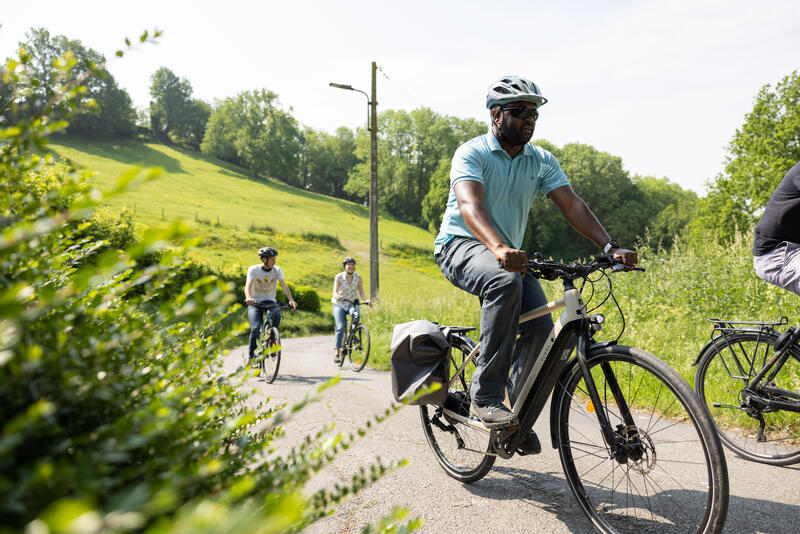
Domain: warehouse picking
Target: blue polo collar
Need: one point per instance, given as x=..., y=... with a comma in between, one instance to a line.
x=494, y=145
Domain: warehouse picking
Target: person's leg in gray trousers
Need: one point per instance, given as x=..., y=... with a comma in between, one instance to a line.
x=470, y=266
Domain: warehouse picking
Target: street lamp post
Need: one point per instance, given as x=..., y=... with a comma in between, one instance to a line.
x=372, y=126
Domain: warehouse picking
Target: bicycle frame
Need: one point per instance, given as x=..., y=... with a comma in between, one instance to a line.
x=570, y=331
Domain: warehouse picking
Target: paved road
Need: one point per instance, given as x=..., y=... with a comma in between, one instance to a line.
x=524, y=494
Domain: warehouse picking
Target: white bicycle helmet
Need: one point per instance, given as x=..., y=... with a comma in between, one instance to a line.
x=512, y=89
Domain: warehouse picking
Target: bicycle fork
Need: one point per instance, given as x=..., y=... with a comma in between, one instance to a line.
x=624, y=441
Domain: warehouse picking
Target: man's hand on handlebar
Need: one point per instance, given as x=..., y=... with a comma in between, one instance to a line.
x=629, y=257
x=512, y=260
x=250, y=302
x=292, y=304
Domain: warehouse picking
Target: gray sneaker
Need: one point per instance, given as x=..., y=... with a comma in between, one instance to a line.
x=494, y=415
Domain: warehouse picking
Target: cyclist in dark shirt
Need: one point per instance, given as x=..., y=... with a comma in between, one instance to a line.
x=776, y=248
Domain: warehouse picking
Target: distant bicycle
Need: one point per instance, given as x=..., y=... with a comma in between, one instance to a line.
x=267, y=356
x=748, y=375
x=355, y=345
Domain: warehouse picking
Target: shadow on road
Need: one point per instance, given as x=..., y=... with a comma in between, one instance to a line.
x=758, y=515
x=297, y=379
x=546, y=491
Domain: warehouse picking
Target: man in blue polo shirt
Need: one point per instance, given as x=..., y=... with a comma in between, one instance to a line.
x=494, y=179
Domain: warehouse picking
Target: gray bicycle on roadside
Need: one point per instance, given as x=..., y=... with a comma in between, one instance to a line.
x=639, y=451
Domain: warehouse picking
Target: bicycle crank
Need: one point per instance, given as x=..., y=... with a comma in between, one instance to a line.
x=504, y=442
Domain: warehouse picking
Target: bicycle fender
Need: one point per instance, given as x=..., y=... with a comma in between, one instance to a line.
x=708, y=344
x=464, y=339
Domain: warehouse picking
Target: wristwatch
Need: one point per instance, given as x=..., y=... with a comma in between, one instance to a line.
x=611, y=244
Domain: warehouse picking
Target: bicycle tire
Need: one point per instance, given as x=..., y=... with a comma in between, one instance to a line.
x=719, y=385
x=358, y=352
x=272, y=357
x=659, y=486
x=458, y=448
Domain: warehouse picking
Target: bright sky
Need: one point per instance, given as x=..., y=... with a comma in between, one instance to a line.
x=663, y=84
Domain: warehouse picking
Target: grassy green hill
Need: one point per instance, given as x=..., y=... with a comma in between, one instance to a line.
x=236, y=214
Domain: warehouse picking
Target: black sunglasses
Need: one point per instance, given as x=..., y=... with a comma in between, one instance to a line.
x=522, y=113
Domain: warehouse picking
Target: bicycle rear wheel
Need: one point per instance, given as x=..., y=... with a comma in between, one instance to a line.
x=670, y=475
x=359, y=347
x=459, y=448
x=720, y=382
x=272, y=356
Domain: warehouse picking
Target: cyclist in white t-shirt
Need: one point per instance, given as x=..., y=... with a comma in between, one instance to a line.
x=347, y=287
x=261, y=287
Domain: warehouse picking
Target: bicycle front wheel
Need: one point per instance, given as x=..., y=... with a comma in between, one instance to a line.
x=668, y=473
x=724, y=369
x=272, y=356
x=359, y=348
x=461, y=450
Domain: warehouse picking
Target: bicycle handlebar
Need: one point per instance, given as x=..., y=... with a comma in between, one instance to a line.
x=267, y=305
x=357, y=302
x=550, y=270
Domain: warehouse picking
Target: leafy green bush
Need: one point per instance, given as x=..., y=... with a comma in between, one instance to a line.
x=115, y=227
x=306, y=297
x=115, y=415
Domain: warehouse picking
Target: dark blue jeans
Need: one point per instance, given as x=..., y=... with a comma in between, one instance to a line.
x=469, y=265
x=256, y=316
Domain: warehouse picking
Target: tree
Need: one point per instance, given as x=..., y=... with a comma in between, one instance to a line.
x=327, y=161
x=251, y=130
x=171, y=104
x=435, y=202
x=192, y=128
x=102, y=109
x=760, y=153
x=669, y=208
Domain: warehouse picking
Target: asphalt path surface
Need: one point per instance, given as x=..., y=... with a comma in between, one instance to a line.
x=523, y=494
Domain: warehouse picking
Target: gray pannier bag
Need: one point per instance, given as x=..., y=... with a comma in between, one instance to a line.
x=419, y=358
